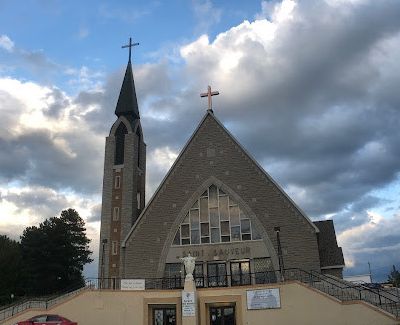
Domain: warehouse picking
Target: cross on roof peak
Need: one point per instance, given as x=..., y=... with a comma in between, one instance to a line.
x=208, y=94
x=130, y=45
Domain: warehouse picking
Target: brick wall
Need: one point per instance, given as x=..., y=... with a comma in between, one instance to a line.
x=132, y=180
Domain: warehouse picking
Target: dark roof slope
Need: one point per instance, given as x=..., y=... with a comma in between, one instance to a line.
x=127, y=102
x=330, y=253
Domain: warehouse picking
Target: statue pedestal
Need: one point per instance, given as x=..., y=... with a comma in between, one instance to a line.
x=189, y=285
x=189, y=303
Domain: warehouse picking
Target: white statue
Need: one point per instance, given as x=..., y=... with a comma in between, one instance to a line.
x=189, y=262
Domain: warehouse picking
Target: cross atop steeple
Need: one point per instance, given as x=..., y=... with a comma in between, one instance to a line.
x=208, y=94
x=127, y=102
x=130, y=45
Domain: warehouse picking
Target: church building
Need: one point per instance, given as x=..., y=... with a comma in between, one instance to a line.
x=215, y=203
x=219, y=243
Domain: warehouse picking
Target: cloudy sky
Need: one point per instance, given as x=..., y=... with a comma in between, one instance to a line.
x=310, y=88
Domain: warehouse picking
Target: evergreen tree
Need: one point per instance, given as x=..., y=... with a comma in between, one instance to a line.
x=55, y=253
x=394, y=277
x=10, y=269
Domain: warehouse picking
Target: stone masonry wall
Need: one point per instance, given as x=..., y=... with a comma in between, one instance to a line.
x=212, y=152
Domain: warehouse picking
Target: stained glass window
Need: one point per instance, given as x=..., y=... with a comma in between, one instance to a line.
x=215, y=218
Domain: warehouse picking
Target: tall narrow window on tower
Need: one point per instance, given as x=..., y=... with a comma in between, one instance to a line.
x=117, y=182
x=116, y=214
x=114, y=247
x=138, y=146
x=138, y=200
x=120, y=144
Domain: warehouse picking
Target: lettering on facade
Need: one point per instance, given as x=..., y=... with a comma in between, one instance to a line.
x=219, y=253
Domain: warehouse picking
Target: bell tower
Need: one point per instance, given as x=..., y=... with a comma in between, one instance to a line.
x=124, y=179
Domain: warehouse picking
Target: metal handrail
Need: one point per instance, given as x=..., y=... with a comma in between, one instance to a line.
x=396, y=296
x=177, y=282
x=375, y=298
x=37, y=302
x=312, y=278
x=375, y=291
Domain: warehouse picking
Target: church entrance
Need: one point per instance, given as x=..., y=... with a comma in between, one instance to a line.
x=164, y=316
x=224, y=315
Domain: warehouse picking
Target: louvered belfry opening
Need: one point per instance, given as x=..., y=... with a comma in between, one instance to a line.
x=120, y=144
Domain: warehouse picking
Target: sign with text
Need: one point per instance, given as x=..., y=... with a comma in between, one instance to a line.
x=263, y=299
x=188, y=304
x=133, y=284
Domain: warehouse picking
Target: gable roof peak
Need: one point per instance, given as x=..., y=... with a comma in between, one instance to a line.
x=210, y=114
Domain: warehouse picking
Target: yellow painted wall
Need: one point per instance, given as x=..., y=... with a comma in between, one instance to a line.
x=299, y=305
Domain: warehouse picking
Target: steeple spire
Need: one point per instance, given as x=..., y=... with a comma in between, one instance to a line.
x=127, y=102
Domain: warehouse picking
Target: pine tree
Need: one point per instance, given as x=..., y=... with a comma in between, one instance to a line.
x=394, y=277
x=55, y=253
x=10, y=269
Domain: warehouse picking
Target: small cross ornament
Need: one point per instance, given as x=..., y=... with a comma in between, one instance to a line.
x=208, y=94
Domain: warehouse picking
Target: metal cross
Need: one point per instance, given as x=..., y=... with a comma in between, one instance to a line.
x=208, y=94
x=130, y=45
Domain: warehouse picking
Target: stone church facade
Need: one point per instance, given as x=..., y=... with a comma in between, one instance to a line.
x=216, y=203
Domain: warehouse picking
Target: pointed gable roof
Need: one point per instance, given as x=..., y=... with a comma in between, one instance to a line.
x=210, y=114
x=127, y=102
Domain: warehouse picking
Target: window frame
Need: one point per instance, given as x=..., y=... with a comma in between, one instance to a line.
x=117, y=182
x=116, y=211
x=236, y=223
x=244, y=277
x=114, y=247
x=217, y=277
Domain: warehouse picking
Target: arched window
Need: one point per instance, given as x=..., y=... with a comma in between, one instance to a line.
x=120, y=144
x=215, y=218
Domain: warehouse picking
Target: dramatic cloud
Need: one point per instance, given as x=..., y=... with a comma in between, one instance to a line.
x=46, y=140
x=309, y=88
x=320, y=120
x=377, y=241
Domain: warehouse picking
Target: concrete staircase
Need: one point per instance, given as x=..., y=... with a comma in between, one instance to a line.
x=345, y=291
x=37, y=303
x=388, y=300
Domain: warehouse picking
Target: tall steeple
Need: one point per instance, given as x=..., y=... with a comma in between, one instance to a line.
x=127, y=102
x=124, y=179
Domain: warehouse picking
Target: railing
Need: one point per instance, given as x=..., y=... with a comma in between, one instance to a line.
x=391, y=293
x=37, y=302
x=344, y=291
x=331, y=286
x=334, y=287
x=225, y=280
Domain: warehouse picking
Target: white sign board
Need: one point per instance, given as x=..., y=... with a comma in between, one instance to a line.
x=188, y=304
x=133, y=284
x=359, y=279
x=263, y=299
